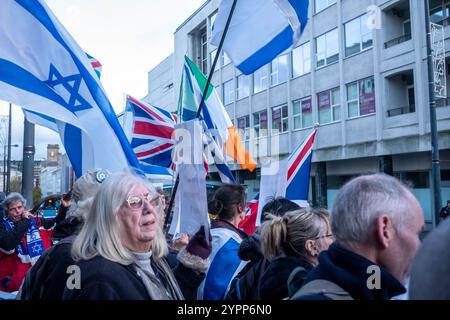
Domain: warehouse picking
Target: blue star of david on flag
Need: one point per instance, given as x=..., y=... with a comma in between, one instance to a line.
x=72, y=84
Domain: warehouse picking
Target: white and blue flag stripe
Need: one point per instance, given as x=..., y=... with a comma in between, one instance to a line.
x=259, y=30
x=225, y=264
x=44, y=70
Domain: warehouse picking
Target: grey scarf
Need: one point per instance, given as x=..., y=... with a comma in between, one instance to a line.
x=157, y=277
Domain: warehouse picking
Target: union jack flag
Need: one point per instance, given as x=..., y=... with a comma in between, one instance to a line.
x=298, y=171
x=151, y=134
x=248, y=225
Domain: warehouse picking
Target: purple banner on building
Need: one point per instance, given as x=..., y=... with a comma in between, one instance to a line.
x=366, y=96
x=307, y=105
x=324, y=100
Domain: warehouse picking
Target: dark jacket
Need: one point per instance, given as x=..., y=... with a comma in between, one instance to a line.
x=445, y=212
x=274, y=282
x=102, y=279
x=47, y=279
x=246, y=284
x=349, y=271
x=67, y=227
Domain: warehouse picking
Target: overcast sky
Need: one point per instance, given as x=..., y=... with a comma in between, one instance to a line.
x=129, y=38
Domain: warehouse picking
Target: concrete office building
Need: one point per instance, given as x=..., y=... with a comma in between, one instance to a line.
x=362, y=76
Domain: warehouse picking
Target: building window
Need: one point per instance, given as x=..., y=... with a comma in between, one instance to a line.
x=228, y=92
x=260, y=79
x=212, y=56
x=302, y=113
x=357, y=36
x=278, y=70
x=204, y=51
x=260, y=123
x=328, y=104
x=301, y=60
x=243, y=86
x=225, y=59
x=280, y=120
x=327, y=48
x=244, y=127
x=361, y=97
x=440, y=11
x=322, y=4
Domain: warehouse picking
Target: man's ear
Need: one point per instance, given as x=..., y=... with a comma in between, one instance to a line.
x=384, y=231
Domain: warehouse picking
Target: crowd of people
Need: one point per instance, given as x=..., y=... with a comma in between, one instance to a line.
x=108, y=242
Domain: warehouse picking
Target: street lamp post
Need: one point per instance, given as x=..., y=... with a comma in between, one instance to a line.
x=7, y=168
x=435, y=164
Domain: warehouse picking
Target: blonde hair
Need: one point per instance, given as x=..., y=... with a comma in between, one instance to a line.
x=290, y=232
x=99, y=235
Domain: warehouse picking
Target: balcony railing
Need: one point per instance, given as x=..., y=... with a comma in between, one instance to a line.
x=445, y=22
x=397, y=41
x=443, y=102
x=401, y=110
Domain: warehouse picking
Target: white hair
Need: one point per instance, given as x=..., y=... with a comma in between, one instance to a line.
x=100, y=232
x=362, y=200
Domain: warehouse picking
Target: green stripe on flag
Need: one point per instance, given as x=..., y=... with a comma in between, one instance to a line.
x=200, y=77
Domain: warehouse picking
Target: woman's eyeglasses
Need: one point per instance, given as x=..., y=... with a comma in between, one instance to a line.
x=329, y=235
x=137, y=201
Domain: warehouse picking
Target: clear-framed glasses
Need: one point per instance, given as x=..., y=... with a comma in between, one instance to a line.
x=137, y=201
x=329, y=235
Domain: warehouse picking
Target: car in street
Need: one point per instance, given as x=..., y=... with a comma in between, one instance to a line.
x=48, y=206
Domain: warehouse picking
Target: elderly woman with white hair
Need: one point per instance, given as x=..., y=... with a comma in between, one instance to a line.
x=120, y=249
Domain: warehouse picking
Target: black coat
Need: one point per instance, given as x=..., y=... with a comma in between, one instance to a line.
x=47, y=279
x=349, y=271
x=102, y=279
x=274, y=282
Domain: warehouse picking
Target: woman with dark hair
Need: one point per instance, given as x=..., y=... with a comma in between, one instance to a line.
x=228, y=204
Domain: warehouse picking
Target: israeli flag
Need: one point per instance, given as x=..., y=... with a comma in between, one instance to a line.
x=259, y=30
x=44, y=70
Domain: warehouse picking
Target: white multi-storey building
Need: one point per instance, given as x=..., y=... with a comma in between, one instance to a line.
x=362, y=76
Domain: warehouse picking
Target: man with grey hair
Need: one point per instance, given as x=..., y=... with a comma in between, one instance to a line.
x=22, y=241
x=376, y=221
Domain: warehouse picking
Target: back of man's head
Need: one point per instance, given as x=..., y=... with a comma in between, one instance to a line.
x=362, y=200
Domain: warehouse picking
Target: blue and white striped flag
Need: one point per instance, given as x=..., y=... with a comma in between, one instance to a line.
x=259, y=30
x=43, y=69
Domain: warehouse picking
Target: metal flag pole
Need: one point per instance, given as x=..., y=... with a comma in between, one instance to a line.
x=435, y=164
x=200, y=107
x=8, y=175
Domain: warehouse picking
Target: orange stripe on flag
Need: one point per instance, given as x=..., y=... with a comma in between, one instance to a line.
x=237, y=151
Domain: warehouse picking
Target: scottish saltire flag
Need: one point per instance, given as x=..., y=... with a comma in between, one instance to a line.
x=289, y=177
x=151, y=132
x=42, y=69
x=225, y=264
x=214, y=115
x=248, y=225
x=225, y=174
x=259, y=30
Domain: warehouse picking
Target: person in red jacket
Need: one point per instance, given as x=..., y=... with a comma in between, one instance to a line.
x=22, y=240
